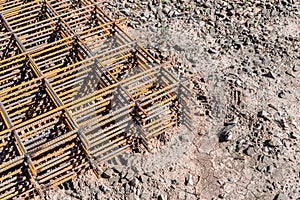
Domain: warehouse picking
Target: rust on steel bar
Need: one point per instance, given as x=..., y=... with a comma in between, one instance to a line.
x=75, y=91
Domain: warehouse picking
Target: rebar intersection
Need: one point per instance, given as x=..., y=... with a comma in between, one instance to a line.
x=75, y=90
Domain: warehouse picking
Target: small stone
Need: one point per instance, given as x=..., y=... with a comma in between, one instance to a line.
x=145, y=196
x=249, y=151
x=212, y=51
x=98, y=196
x=127, y=188
x=278, y=134
x=133, y=182
x=129, y=175
x=294, y=135
x=175, y=182
x=232, y=122
x=263, y=114
x=123, y=174
x=296, y=68
x=239, y=83
x=189, y=180
x=230, y=148
x=149, y=174
x=118, y=169
x=226, y=134
x=104, y=189
x=107, y=173
x=184, y=138
x=232, y=179
x=161, y=197
x=294, y=123
x=281, y=94
x=143, y=178
x=113, y=180
x=280, y=196
x=275, y=142
x=270, y=168
x=269, y=75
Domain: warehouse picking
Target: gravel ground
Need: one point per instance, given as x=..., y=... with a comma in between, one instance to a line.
x=242, y=60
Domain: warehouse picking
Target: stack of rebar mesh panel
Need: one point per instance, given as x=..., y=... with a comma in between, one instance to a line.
x=75, y=90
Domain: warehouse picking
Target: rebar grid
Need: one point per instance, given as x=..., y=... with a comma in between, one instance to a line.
x=75, y=90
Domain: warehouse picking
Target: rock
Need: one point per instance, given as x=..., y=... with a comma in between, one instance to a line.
x=232, y=122
x=107, y=173
x=129, y=175
x=160, y=15
x=296, y=68
x=294, y=135
x=184, y=138
x=188, y=180
x=225, y=134
x=280, y=196
x=263, y=114
x=281, y=94
x=104, y=189
x=127, y=188
x=118, y=169
x=149, y=174
x=249, y=151
x=162, y=197
x=99, y=196
x=231, y=148
x=123, y=174
x=294, y=123
x=270, y=168
x=175, y=182
x=212, y=51
x=269, y=75
x=278, y=134
x=231, y=179
x=143, y=178
x=113, y=180
x=275, y=142
x=133, y=182
x=145, y=196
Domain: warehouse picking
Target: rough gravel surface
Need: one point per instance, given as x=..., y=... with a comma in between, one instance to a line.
x=242, y=60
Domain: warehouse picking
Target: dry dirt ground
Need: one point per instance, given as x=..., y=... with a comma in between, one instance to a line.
x=242, y=61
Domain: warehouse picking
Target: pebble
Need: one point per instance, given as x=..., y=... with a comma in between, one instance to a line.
x=270, y=168
x=263, y=114
x=280, y=196
x=118, y=169
x=294, y=135
x=145, y=196
x=162, y=197
x=129, y=175
x=296, y=68
x=226, y=134
x=143, y=178
x=294, y=123
x=250, y=151
x=281, y=94
x=184, y=138
x=105, y=189
x=175, y=182
x=108, y=173
x=275, y=142
x=189, y=180
x=149, y=174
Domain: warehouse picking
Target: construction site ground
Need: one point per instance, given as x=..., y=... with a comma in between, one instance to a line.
x=242, y=59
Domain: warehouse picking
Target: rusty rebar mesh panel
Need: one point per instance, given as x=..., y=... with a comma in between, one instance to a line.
x=75, y=90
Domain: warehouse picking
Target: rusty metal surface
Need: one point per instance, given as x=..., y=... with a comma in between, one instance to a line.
x=75, y=90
